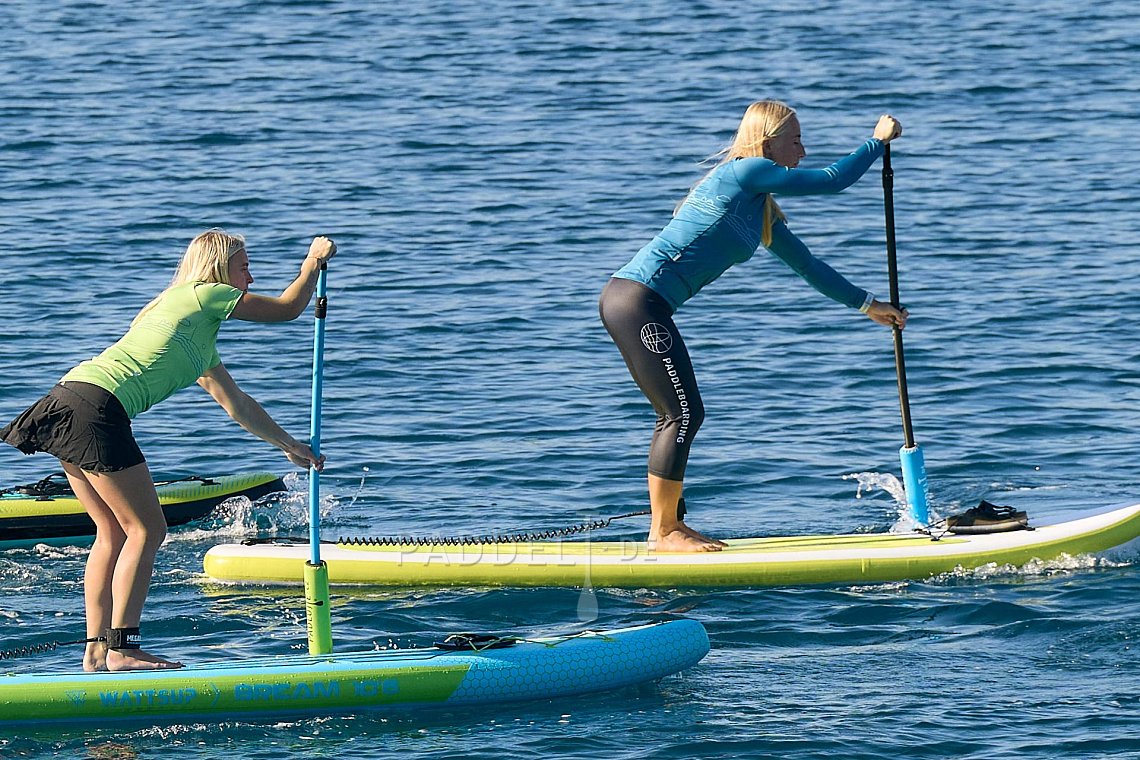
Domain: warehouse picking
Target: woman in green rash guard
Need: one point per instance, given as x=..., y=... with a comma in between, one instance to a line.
x=725, y=217
x=85, y=421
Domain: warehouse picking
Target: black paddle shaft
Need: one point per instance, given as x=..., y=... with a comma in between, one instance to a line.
x=893, y=271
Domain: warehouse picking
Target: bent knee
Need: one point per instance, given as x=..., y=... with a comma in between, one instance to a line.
x=696, y=415
x=684, y=422
x=690, y=417
x=150, y=534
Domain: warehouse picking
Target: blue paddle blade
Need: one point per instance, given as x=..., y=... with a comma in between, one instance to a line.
x=914, y=480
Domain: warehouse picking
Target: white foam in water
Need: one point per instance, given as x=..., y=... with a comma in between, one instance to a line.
x=63, y=552
x=1066, y=563
x=276, y=514
x=1063, y=565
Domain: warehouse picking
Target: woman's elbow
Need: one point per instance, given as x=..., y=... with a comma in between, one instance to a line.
x=238, y=407
x=286, y=315
x=290, y=310
x=284, y=311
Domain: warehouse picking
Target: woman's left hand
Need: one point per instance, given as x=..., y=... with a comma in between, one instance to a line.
x=888, y=315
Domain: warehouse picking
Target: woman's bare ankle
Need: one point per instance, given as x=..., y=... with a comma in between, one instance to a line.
x=95, y=657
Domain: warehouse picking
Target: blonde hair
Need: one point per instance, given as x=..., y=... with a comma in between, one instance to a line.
x=762, y=121
x=207, y=259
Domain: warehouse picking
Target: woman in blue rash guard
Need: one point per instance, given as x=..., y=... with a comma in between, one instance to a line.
x=725, y=217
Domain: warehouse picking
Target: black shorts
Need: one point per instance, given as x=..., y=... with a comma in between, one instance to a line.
x=78, y=423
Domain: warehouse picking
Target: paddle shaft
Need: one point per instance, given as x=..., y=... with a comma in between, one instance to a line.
x=316, y=576
x=893, y=271
x=315, y=418
x=910, y=455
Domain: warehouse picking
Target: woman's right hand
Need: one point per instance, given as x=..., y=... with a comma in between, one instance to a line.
x=302, y=456
x=887, y=315
x=322, y=249
x=888, y=128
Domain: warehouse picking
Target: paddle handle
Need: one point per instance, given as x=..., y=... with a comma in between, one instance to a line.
x=893, y=271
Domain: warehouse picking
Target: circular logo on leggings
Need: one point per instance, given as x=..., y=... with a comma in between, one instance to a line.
x=656, y=338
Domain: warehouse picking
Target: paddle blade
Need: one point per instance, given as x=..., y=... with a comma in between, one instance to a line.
x=914, y=480
x=317, y=613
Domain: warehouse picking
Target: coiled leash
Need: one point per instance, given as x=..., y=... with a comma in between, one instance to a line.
x=507, y=538
x=25, y=651
x=116, y=638
x=494, y=538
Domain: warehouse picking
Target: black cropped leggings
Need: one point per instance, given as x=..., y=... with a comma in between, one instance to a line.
x=641, y=324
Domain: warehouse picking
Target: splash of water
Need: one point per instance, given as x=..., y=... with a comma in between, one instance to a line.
x=363, y=477
x=871, y=481
x=276, y=514
x=868, y=482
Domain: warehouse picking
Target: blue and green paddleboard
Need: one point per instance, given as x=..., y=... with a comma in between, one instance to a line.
x=387, y=680
x=48, y=512
x=747, y=562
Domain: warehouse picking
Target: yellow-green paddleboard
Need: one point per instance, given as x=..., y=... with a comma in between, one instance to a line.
x=772, y=561
x=48, y=510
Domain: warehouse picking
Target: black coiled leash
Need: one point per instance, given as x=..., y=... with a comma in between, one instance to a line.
x=501, y=538
x=509, y=538
x=30, y=649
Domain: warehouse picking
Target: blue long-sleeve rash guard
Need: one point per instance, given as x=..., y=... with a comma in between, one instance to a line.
x=720, y=224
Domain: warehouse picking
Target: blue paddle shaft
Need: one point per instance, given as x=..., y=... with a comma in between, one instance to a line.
x=315, y=421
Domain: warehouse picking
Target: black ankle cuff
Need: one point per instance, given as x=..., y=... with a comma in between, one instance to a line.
x=124, y=638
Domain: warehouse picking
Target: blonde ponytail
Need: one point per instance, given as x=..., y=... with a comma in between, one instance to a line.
x=772, y=212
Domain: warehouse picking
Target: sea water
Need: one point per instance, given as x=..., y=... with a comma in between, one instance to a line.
x=484, y=167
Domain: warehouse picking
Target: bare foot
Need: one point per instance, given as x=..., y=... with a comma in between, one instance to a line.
x=137, y=659
x=95, y=658
x=682, y=541
x=701, y=536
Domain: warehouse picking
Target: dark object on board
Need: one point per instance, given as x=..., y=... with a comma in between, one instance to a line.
x=988, y=518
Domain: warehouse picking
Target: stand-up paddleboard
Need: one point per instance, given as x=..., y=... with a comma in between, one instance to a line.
x=781, y=560
x=48, y=510
x=270, y=688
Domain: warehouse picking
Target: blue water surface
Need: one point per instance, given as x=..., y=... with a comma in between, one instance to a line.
x=484, y=166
